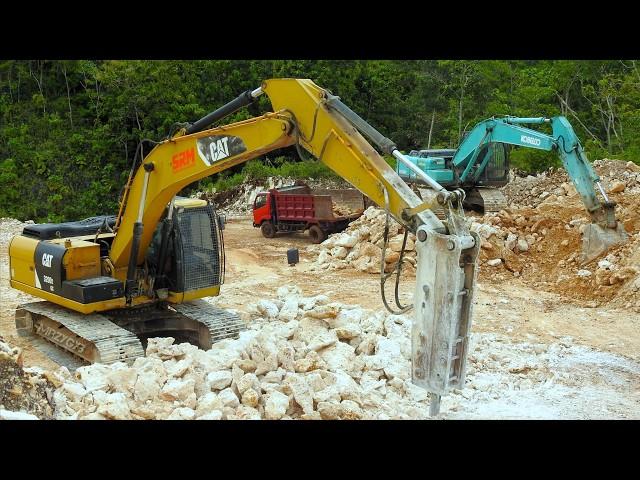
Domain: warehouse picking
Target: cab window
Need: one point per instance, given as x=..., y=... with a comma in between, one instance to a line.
x=261, y=201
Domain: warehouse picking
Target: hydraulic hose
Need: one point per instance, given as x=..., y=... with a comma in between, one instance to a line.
x=244, y=99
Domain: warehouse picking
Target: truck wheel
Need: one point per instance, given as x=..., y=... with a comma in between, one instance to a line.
x=316, y=234
x=268, y=230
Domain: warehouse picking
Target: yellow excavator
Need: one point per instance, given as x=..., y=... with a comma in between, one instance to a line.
x=109, y=283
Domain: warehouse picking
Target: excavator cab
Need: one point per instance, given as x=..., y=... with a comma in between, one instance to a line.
x=487, y=174
x=493, y=165
x=194, y=257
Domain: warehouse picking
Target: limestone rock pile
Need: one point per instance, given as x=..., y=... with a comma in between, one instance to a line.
x=616, y=177
x=621, y=269
x=302, y=358
x=507, y=235
x=343, y=210
x=310, y=358
x=360, y=245
x=543, y=246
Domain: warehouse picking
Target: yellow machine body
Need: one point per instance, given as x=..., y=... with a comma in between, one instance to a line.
x=80, y=259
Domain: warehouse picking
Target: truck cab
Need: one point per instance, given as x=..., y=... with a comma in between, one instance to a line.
x=261, y=208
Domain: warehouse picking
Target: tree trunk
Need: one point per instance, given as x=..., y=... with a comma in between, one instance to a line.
x=18, y=87
x=613, y=122
x=511, y=89
x=635, y=70
x=66, y=81
x=607, y=128
x=463, y=84
x=97, y=98
x=10, y=85
x=126, y=153
x=460, y=115
x=39, y=83
x=137, y=118
x=433, y=118
x=580, y=122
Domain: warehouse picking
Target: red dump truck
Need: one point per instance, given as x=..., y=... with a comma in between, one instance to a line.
x=296, y=209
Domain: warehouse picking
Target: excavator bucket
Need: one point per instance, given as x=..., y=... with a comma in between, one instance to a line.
x=596, y=240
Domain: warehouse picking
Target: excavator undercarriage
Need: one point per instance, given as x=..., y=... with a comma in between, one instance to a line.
x=121, y=335
x=486, y=199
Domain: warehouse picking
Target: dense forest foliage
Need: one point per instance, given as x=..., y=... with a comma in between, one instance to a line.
x=69, y=129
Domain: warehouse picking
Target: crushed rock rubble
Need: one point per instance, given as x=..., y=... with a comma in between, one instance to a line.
x=343, y=210
x=360, y=246
x=508, y=235
x=301, y=358
x=333, y=361
x=541, y=239
x=531, y=190
x=26, y=393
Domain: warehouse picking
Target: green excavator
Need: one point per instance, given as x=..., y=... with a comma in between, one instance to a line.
x=481, y=163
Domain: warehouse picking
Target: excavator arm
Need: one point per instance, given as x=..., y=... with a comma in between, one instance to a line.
x=310, y=117
x=604, y=230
